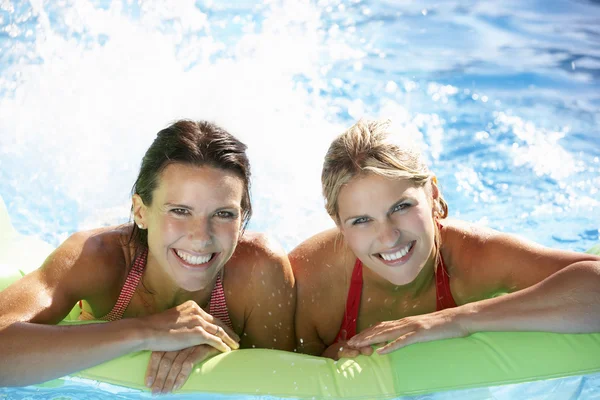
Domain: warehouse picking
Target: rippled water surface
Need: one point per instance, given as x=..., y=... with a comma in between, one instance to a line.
x=504, y=100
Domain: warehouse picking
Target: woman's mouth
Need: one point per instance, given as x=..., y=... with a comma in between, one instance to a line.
x=194, y=260
x=398, y=256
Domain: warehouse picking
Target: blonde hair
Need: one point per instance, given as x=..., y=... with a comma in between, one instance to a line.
x=367, y=147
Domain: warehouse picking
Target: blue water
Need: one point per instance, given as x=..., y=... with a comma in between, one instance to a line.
x=503, y=99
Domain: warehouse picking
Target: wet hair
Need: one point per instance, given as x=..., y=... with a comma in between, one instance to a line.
x=196, y=143
x=368, y=148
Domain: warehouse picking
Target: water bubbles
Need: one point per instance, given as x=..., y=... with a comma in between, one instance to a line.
x=391, y=86
x=12, y=30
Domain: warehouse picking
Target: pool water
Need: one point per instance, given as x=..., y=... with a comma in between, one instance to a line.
x=503, y=99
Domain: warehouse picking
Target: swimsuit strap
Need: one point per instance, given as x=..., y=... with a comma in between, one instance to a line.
x=131, y=282
x=348, y=328
x=444, y=297
x=217, y=305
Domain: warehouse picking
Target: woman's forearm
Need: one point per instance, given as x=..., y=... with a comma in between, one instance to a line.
x=565, y=302
x=34, y=353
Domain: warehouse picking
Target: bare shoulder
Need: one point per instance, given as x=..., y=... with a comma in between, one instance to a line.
x=324, y=254
x=482, y=261
x=259, y=253
x=85, y=266
x=94, y=259
x=322, y=266
x=260, y=293
x=471, y=244
x=259, y=262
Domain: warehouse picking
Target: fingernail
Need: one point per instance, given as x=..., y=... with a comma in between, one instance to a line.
x=149, y=382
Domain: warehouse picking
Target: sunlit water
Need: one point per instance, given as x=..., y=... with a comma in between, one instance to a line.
x=503, y=99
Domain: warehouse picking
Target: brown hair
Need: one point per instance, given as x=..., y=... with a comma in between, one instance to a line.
x=198, y=143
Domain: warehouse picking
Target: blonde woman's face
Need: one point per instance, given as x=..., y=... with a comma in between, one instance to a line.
x=388, y=224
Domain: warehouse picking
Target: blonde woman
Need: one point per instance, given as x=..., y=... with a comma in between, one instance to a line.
x=395, y=272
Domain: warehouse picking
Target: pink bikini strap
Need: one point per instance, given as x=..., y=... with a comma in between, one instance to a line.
x=218, y=306
x=131, y=283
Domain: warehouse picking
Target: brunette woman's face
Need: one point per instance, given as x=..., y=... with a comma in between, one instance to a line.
x=388, y=224
x=193, y=222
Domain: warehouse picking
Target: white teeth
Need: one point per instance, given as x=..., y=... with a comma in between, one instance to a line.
x=399, y=254
x=196, y=260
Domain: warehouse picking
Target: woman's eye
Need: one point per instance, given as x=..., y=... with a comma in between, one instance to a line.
x=400, y=207
x=180, y=211
x=225, y=214
x=360, y=220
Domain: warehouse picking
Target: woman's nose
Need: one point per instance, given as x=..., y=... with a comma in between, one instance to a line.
x=200, y=232
x=389, y=234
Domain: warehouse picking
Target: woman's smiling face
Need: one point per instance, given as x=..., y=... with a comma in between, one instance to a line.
x=388, y=224
x=193, y=222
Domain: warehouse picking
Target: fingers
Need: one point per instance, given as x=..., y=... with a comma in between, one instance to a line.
x=374, y=335
x=200, y=354
x=155, y=358
x=169, y=370
x=214, y=327
x=405, y=340
x=348, y=352
x=225, y=334
x=215, y=336
x=161, y=365
x=366, y=351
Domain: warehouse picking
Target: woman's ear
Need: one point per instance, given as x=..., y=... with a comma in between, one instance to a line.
x=140, y=212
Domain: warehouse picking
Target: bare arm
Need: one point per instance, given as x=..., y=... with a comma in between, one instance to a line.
x=45, y=296
x=28, y=344
x=550, y=290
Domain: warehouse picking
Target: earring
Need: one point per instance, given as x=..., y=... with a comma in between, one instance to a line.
x=140, y=226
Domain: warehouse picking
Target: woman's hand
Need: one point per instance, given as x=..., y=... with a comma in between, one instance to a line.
x=403, y=332
x=168, y=371
x=342, y=350
x=187, y=325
